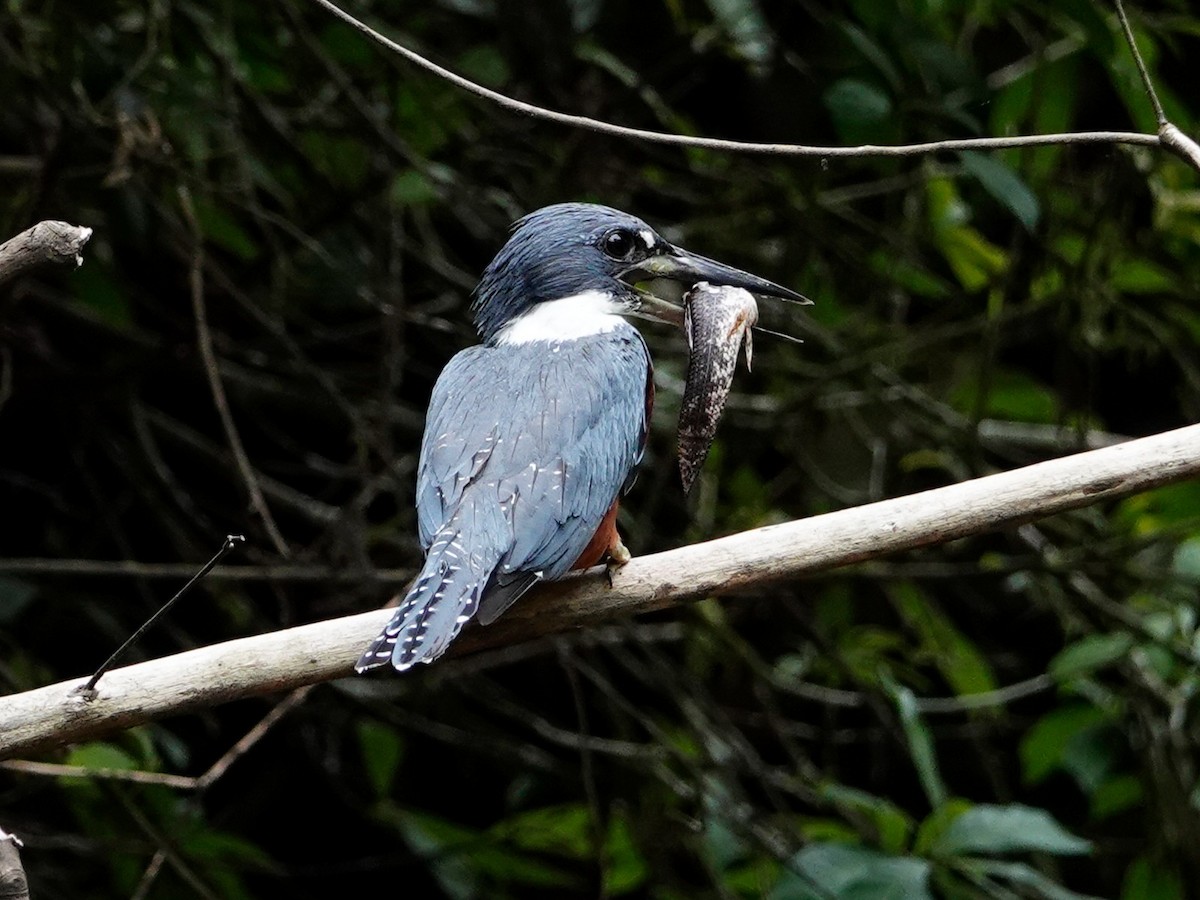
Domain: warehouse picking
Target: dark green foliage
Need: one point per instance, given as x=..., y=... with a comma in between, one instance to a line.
x=1010, y=715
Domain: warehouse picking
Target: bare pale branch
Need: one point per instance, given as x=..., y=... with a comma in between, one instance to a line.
x=45, y=242
x=284, y=660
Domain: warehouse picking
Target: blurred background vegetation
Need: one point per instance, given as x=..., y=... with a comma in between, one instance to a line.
x=1011, y=715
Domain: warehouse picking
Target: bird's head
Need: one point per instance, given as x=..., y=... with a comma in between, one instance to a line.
x=569, y=270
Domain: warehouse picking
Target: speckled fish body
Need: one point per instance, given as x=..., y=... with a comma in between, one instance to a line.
x=716, y=319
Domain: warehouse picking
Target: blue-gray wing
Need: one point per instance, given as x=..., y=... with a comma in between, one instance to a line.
x=544, y=434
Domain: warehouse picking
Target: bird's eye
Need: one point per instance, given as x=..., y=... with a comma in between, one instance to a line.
x=619, y=244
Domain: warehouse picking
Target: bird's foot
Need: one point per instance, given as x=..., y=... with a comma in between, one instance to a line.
x=618, y=555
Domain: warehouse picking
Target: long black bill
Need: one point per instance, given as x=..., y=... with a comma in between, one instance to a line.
x=665, y=277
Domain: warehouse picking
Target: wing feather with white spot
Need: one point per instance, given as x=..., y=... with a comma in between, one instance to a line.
x=525, y=449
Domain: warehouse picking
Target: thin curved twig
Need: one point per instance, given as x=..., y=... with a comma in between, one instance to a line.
x=128, y=568
x=1169, y=135
x=226, y=548
x=217, y=387
x=1159, y=115
x=681, y=140
x=132, y=776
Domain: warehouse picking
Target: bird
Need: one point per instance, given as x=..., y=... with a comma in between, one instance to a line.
x=533, y=435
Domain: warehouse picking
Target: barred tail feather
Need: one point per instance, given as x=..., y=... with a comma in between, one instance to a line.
x=445, y=596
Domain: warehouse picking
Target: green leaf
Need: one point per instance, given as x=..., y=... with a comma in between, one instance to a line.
x=722, y=845
x=221, y=846
x=139, y=742
x=1125, y=77
x=1057, y=96
x=748, y=880
x=464, y=861
x=1090, y=756
x=873, y=52
x=559, y=830
x=412, y=188
x=834, y=609
x=1010, y=395
x=267, y=77
x=1140, y=276
x=829, y=831
x=908, y=275
x=743, y=21
x=960, y=662
x=975, y=261
x=1145, y=880
x=486, y=65
x=1046, y=745
x=846, y=872
x=1185, y=564
x=1010, y=105
x=99, y=755
x=1005, y=185
x=344, y=160
x=426, y=134
x=1014, y=828
x=223, y=230
x=920, y=742
x=1022, y=401
x=505, y=867
x=381, y=750
x=1089, y=654
x=625, y=868
x=442, y=844
x=1071, y=246
x=866, y=648
x=857, y=108
x=934, y=825
x=945, y=207
x=96, y=288
x=892, y=824
x=1116, y=795
x=347, y=45
x=1019, y=873
x=1161, y=508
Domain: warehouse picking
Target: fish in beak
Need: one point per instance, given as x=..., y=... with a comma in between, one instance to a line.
x=662, y=279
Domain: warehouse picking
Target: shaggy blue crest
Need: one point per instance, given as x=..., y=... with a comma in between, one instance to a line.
x=557, y=251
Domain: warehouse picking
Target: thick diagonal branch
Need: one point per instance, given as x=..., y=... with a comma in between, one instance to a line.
x=283, y=660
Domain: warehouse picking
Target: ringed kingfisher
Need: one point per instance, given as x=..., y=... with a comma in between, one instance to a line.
x=533, y=435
